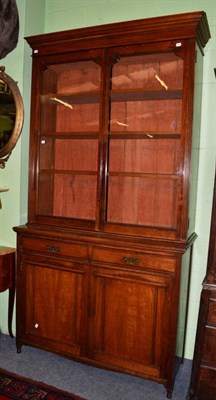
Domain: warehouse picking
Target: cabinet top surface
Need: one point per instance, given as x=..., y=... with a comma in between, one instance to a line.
x=6, y=250
x=106, y=239
x=178, y=26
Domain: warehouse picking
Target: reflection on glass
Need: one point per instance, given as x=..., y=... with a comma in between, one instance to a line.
x=7, y=113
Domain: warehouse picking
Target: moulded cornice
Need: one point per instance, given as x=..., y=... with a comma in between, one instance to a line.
x=192, y=25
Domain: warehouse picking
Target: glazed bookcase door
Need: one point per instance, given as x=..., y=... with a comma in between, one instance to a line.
x=68, y=142
x=144, y=140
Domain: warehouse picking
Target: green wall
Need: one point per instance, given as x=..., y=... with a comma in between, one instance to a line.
x=55, y=15
x=15, y=174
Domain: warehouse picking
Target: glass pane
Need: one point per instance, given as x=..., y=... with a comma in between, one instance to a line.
x=144, y=156
x=145, y=201
x=149, y=117
x=68, y=164
x=145, y=140
x=75, y=195
x=70, y=98
x=146, y=94
x=146, y=71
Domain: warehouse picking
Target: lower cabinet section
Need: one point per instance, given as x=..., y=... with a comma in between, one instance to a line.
x=106, y=305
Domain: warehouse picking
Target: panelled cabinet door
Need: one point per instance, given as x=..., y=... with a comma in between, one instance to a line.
x=130, y=319
x=55, y=301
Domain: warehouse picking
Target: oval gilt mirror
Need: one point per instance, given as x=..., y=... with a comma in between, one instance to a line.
x=11, y=115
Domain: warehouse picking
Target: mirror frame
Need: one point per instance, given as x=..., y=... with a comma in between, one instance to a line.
x=5, y=151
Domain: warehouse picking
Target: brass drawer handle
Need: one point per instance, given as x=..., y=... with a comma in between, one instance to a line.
x=131, y=260
x=53, y=248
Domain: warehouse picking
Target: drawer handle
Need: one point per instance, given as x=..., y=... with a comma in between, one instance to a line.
x=53, y=248
x=131, y=260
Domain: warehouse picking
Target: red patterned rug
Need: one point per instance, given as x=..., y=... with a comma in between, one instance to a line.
x=17, y=387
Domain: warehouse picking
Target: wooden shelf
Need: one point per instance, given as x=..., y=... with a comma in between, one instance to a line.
x=68, y=172
x=145, y=174
x=70, y=99
x=125, y=95
x=122, y=95
x=113, y=135
x=144, y=135
x=70, y=135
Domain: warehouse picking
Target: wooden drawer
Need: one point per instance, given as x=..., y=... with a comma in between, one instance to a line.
x=133, y=258
x=212, y=311
x=209, y=350
x=207, y=384
x=54, y=247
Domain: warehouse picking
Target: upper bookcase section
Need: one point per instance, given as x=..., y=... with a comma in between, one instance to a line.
x=192, y=25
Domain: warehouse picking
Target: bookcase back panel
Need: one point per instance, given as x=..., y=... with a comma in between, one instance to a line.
x=70, y=97
x=152, y=116
x=149, y=71
x=81, y=190
x=81, y=118
x=76, y=154
x=45, y=193
x=79, y=77
x=147, y=201
x=144, y=156
x=71, y=77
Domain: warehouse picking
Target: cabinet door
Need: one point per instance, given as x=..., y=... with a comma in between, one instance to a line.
x=52, y=304
x=130, y=321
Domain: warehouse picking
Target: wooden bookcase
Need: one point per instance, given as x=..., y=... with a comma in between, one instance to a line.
x=107, y=237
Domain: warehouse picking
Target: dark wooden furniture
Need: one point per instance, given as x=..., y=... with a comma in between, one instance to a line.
x=7, y=279
x=109, y=229
x=203, y=378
